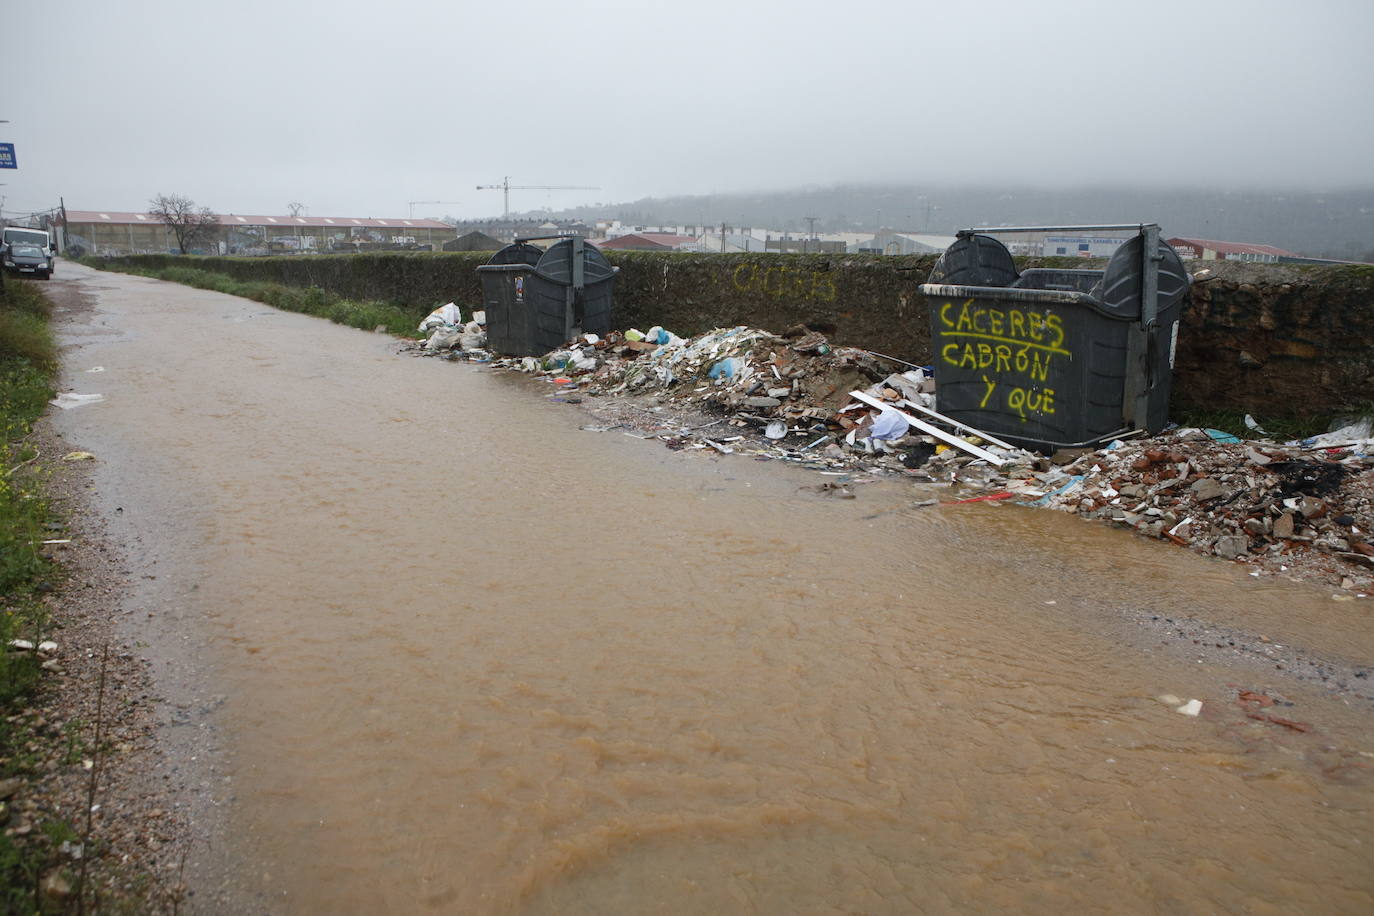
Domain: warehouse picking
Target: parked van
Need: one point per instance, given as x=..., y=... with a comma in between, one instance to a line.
x=37, y=238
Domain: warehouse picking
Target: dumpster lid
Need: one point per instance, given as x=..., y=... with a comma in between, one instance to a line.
x=557, y=262
x=519, y=253
x=974, y=260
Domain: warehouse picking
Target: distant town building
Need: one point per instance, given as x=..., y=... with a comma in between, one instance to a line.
x=1211, y=250
x=648, y=241
x=896, y=243
x=806, y=245
x=474, y=241
x=1074, y=246
x=115, y=232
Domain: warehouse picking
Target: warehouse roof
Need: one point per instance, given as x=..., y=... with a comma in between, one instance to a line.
x=234, y=219
x=1231, y=247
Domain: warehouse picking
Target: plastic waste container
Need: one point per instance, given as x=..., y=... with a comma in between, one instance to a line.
x=1051, y=358
x=538, y=300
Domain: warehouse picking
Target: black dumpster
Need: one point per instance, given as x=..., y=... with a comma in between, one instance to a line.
x=537, y=300
x=1054, y=358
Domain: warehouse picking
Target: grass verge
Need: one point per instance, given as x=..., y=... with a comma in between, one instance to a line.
x=28, y=361
x=366, y=316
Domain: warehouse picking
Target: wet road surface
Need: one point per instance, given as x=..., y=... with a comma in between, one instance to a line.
x=476, y=660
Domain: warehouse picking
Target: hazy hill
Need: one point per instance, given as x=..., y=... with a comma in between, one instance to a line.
x=1328, y=224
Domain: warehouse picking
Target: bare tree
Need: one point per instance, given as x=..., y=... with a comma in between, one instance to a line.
x=188, y=223
x=296, y=207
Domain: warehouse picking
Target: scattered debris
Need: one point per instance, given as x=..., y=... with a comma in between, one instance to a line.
x=67, y=400
x=1279, y=507
x=1191, y=708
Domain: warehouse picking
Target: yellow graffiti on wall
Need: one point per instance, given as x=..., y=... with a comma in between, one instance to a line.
x=781, y=282
x=1016, y=346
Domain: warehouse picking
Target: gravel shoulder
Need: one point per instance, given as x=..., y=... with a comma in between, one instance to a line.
x=100, y=677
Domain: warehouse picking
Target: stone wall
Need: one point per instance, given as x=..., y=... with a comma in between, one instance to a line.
x=1268, y=339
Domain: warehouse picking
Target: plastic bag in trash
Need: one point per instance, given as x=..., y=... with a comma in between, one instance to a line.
x=444, y=314
x=473, y=337
x=726, y=368
x=661, y=337
x=444, y=338
x=889, y=424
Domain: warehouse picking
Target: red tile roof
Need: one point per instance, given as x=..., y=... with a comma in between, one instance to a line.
x=647, y=240
x=234, y=219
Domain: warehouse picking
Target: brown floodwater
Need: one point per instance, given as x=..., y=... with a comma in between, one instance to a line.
x=478, y=660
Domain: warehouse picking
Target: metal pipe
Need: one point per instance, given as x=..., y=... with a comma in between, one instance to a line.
x=1138, y=227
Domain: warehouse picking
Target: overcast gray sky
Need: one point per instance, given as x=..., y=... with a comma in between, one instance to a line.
x=355, y=107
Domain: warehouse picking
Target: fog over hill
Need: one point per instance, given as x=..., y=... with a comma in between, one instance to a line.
x=1338, y=223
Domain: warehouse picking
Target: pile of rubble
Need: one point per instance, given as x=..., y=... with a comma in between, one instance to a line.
x=795, y=376
x=1261, y=502
x=789, y=397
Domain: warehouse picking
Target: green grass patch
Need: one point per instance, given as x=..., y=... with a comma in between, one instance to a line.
x=308, y=300
x=28, y=360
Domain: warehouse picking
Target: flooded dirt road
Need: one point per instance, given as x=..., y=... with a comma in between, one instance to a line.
x=476, y=660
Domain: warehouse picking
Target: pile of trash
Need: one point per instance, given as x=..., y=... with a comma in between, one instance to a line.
x=795, y=376
x=1256, y=501
x=449, y=335
x=794, y=397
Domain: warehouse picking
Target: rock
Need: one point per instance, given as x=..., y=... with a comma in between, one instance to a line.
x=762, y=402
x=1191, y=708
x=9, y=786
x=779, y=392
x=1257, y=526
x=1311, y=507
x=1206, y=488
x=1257, y=458
x=1231, y=546
x=56, y=887
x=1283, y=525
x=21, y=645
x=1247, y=361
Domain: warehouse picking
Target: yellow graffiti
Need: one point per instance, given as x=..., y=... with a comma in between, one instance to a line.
x=987, y=394
x=786, y=281
x=1010, y=349
x=1023, y=399
x=1043, y=330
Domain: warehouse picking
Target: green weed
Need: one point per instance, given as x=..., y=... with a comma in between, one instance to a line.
x=309, y=300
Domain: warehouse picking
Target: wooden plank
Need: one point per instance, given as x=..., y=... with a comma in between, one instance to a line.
x=935, y=431
x=956, y=424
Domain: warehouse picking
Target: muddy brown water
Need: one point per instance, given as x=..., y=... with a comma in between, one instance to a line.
x=477, y=660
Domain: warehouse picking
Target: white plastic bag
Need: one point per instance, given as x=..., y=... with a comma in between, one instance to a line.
x=444, y=338
x=444, y=314
x=473, y=337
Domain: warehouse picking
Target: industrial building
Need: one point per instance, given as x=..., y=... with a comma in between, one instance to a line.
x=1211, y=250
x=110, y=232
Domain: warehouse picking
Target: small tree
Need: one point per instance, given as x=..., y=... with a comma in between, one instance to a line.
x=188, y=223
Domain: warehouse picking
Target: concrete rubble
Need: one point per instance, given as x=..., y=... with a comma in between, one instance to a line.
x=1298, y=508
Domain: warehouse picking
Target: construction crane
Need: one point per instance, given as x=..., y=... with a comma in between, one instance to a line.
x=414, y=202
x=507, y=187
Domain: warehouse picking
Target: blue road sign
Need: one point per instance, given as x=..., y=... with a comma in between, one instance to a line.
x=7, y=156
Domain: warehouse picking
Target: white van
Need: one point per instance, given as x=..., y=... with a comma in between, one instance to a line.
x=12, y=235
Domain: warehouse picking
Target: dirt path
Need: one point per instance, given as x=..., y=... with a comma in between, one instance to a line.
x=421, y=641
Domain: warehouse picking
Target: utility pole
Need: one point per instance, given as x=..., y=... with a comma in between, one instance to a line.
x=811, y=227
x=506, y=187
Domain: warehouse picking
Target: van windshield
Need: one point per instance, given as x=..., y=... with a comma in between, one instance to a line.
x=26, y=250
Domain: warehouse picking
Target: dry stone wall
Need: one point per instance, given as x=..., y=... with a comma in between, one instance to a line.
x=1268, y=339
